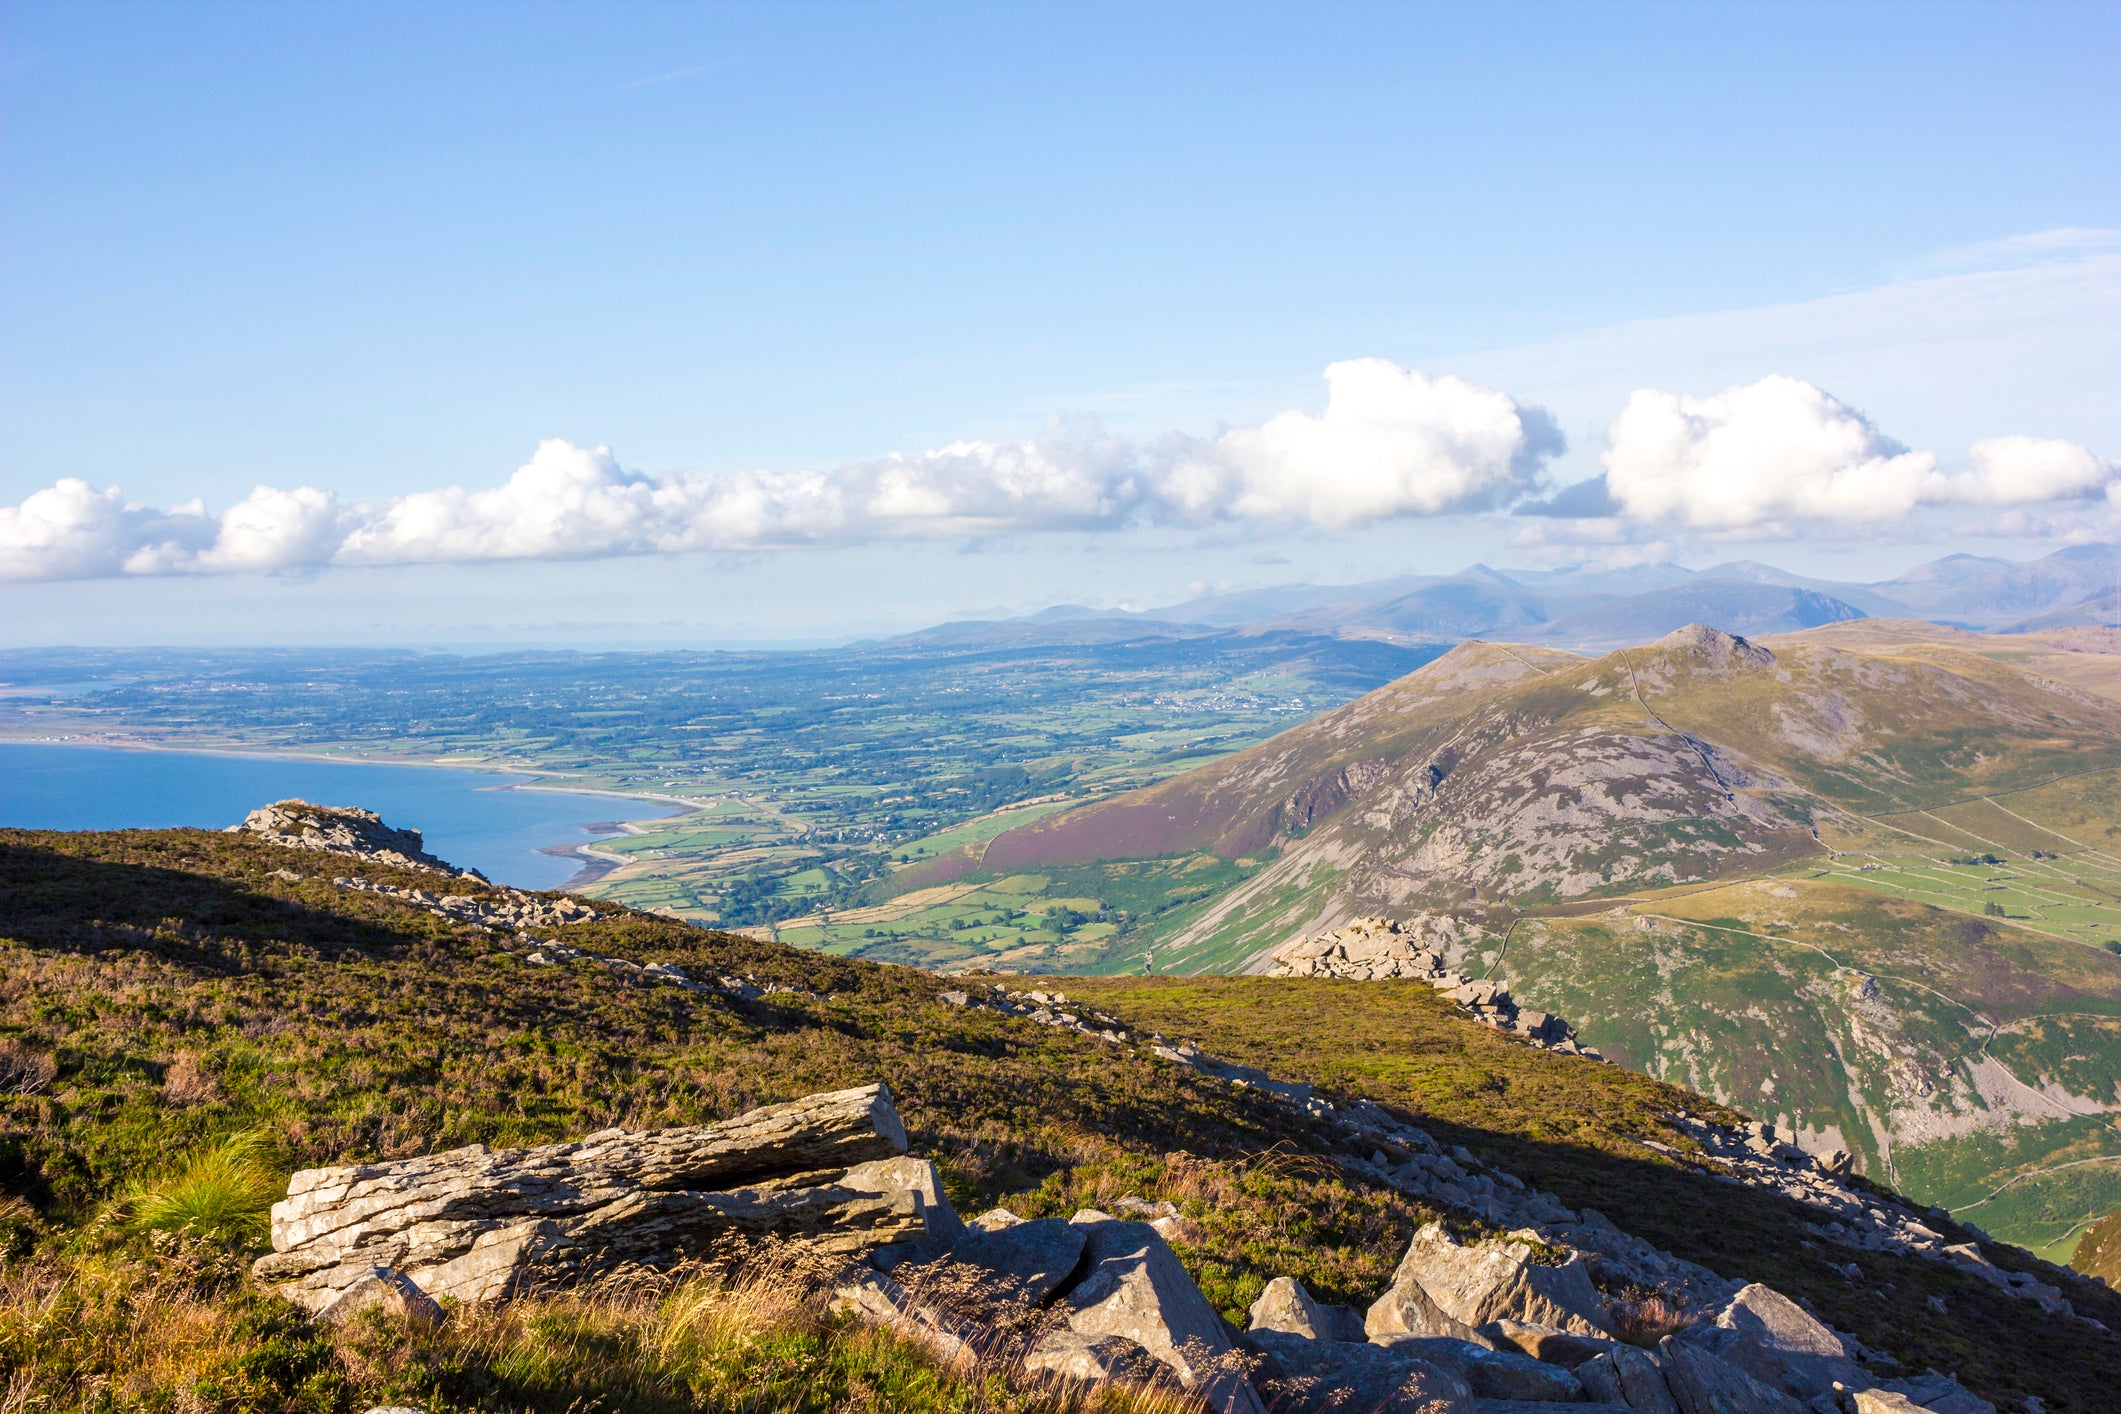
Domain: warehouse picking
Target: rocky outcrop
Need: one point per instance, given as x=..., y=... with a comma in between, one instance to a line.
x=1134, y=1288
x=506, y=909
x=1046, y=1008
x=1779, y=1343
x=1628, y=1377
x=1473, y=1283
x=479, y=1225
x=1489, y=1373
x=340, y=829
x=1369, y=949
x=1286, y=1308
x=1302, y=1373
x=1373, y=949
x=1856, y=1216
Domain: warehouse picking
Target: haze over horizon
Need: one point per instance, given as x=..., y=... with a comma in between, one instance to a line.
x=380, y=324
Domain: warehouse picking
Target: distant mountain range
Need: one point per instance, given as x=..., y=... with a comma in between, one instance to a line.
x=1578, y=608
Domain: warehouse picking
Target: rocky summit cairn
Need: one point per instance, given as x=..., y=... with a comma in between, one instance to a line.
x=341, y=829
x=479, y=1225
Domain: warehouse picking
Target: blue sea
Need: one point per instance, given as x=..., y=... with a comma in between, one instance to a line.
x=473, y=819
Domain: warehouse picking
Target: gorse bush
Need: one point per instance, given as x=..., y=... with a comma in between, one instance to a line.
x=221, y=1192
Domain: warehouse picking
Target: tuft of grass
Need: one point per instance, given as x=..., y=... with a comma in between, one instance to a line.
x=1646, y=1321
x=221, y=1192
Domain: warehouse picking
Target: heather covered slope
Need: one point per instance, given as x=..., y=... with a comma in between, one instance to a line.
x=159, y=990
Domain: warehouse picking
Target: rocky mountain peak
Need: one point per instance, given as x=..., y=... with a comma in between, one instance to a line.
x=1713, y=646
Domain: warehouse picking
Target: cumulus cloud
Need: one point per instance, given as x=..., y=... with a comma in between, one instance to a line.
x=1781, y=451
x=1390, y=442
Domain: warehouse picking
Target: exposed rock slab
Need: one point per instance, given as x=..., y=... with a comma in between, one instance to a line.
x=479, y=1225
x=1021, y=1265
x=1704, y=1383
x=1473, y=1283
x=1779, y=1343
x=1135, y=1288
x=1285, y=1306
x=1491, y=1374
x=1556, y=1347
x=1095, y=1359
x=1305, y=1374
x=1629, y=1377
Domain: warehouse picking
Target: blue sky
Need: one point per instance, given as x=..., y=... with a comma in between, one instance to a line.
x=380, y=252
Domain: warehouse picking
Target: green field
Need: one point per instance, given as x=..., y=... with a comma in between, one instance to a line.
x=811, y=778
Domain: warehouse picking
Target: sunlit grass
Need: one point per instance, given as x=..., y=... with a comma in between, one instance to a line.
x=222, y=1192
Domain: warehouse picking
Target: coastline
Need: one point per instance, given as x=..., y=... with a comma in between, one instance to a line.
x=534, y=777
x=592, y=864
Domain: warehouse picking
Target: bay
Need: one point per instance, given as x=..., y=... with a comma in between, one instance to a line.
x=474, y=819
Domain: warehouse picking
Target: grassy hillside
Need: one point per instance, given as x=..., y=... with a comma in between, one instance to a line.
x=161, y=991
x=1970, y=1062
x=2099, y=1250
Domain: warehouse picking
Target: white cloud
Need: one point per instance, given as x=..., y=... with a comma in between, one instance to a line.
x=70, y=530
x=2010, y=471
x=1781, y=450
x=1391, y=442
x=273, y=530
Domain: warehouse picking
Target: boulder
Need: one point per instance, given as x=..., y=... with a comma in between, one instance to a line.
x=1940, y=1394
x=1779, y=1343
x=1407, y=1309
x=481, y=1225
x=1473, y=1283
x=1883, y=1401
x=1285, y=1306
x=1491, y=1374
x=1540, y=1406
x=877, y=1297
x=1095, y=1359
x=1134, y=1287
x=1555, y=1347
x=394, y=1291
x=1019, y=1266
x=1703, y=1382
x=1177, y=1227
x=1303, y=1375
x=1968, y=1258
x=1625, y=1375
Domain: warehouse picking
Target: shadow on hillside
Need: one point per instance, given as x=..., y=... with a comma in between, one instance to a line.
x=53, y=900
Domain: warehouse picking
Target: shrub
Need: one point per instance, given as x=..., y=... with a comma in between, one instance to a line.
x=24, y=1071
x=222, y=1192
x=1646, y=1321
